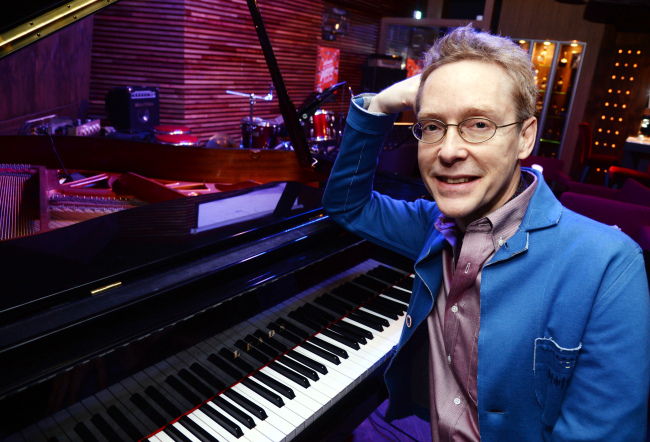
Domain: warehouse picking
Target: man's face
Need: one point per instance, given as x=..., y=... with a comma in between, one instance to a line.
x=469, y=181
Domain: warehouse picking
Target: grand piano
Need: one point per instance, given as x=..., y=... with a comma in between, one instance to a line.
x=243, y=314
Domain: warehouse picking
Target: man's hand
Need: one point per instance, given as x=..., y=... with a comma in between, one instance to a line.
x=397, y=98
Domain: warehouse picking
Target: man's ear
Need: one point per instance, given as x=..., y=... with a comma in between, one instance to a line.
x=527, y=137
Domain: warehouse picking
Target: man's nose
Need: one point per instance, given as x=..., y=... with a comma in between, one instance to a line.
x=452, y=147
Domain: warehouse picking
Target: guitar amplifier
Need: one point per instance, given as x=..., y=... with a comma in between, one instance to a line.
x=133, y=108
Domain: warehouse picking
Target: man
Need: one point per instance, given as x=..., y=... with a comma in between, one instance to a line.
x=527, y=321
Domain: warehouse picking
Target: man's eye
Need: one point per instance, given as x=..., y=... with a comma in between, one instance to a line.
x=431, y=128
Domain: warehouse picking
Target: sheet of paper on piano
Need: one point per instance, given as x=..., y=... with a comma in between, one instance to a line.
x=236, y=209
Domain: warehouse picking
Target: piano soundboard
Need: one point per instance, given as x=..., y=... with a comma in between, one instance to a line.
x=265, y=379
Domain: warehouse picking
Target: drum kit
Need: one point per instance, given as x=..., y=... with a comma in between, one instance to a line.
x=323, y=128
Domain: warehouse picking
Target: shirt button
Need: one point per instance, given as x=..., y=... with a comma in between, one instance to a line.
x=457, y=401
x=449, y=359
x=409, y=321
x=454, y=308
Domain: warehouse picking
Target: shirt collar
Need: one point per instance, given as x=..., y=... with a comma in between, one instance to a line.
x=504, y=221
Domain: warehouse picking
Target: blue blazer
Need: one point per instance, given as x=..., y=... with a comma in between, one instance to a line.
x=564, y=342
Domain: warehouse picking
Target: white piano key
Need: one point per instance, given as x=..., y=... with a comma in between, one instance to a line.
x=281, y=418
x=210, y=426
x=262, y=426
x=308, y=400
x=67, y=423
x=252, y=434
x=51, y=429
x=162, y=437
x=33, y=433
x=185, y=432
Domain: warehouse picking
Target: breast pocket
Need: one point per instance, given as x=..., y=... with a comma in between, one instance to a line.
x=553, y=369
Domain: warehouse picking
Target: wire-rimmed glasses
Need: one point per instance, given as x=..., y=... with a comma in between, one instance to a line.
x=473, y=130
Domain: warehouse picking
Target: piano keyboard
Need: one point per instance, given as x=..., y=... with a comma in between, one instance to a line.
x=215, y=390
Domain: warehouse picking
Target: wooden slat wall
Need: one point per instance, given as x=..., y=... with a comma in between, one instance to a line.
x=195, y=50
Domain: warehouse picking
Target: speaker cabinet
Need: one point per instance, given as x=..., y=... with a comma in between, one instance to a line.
x=133, y=108
x=376, y=79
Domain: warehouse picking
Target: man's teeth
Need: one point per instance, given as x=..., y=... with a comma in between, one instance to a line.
x=457, y=180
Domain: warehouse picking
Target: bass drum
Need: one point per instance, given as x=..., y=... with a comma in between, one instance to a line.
x=321, y=126
x=177, y=140
x=261, y=134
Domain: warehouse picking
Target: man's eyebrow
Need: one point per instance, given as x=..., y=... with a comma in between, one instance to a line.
x=466, y=113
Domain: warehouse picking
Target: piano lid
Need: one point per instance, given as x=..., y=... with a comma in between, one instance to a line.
x=80, y=260
x=26, y=22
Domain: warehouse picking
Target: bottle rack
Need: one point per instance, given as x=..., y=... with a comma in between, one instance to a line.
x=557, y=68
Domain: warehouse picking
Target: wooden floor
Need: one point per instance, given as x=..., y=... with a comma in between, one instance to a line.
x=376, y=429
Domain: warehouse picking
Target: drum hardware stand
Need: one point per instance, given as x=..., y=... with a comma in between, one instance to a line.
x=252, y=97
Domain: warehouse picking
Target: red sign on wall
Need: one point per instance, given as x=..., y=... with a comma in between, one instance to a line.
x=327, y=68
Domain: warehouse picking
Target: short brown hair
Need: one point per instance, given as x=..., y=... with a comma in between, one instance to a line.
x=465, y=43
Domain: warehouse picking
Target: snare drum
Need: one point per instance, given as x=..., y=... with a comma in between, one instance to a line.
x=171, y=129
x=177, y=140
x=264, y=134
x=320, y=126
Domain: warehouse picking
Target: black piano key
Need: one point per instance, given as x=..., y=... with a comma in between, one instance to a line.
x=340, y=338
x=387, y=274
x=399, y=295
x=368, y=322
x=338, y=301
x=264, y=392
x=275, y=385
x=406, y=284
x=293, y=328
x=313, y=316
x=380, y=311
x=124, y=423
x=222, y=420
x=84, y=433
x=226, y=367
x=196, y=430
x=195, y=383
x=354, y=293
x=175, y=434
x=182, y=389
x=305, y=371
x=271, y=341
x=320, y=352
x=350, y=334
x=217, y=384
x=162, y=401
x=338, y=351
x=303, y=320
x=331, y=305
x=290, y=374
x=378, y=319
x=395, y=307
x=246, y=404
x=148, y=410
x=362, y=331
x=235, y=412
x=371, y=283
x=104, y=427
x=271, y=352
x=320, y=312
x=308, y=362
x=238, y=362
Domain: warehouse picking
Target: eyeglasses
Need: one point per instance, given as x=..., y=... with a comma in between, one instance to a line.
x=472, y=130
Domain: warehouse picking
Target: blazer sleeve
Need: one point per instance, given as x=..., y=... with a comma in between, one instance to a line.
x=349, y=198
x=607, y=398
